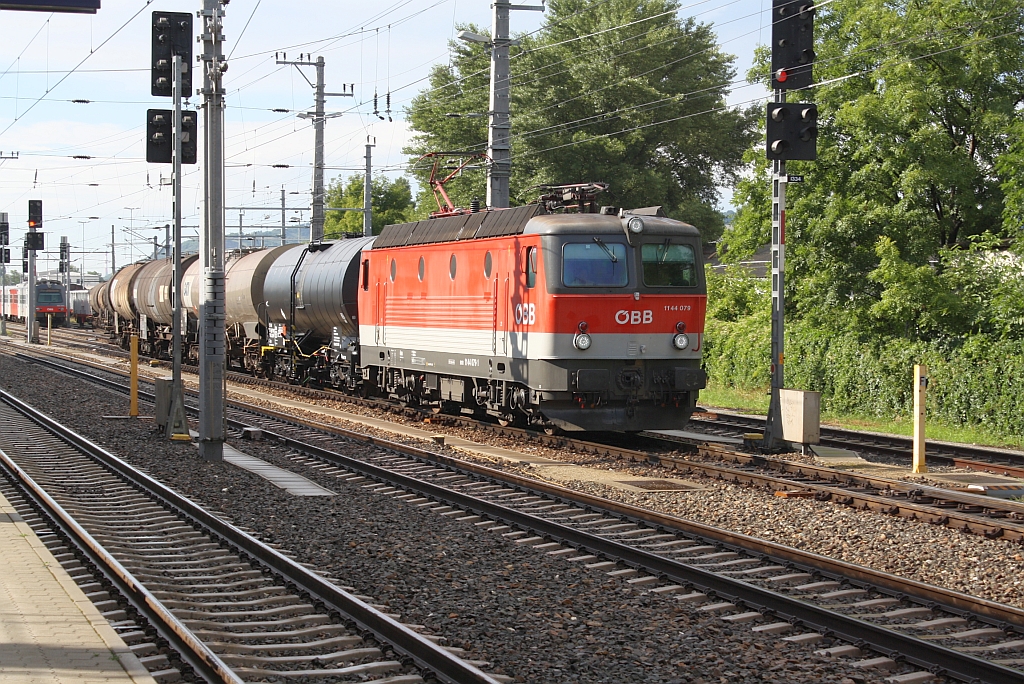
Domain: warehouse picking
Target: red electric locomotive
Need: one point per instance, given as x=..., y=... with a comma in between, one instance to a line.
x=588, y=321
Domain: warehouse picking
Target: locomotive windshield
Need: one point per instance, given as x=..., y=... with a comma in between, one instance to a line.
x=668, y=264
x=594, y=264
x=49, y=297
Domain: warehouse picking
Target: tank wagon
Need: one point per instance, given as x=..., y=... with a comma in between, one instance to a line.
x=137, y=301
x=589, y=321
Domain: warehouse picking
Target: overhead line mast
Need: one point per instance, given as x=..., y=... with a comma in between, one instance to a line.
x=498, y=147
x=211, y=309
x=316, y=224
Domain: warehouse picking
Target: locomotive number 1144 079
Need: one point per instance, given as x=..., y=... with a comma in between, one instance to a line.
x=678, y=307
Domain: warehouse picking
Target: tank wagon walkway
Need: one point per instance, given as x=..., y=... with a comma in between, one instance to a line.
x=49, y=631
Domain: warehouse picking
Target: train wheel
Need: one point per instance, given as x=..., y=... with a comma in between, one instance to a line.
x=507, y=419
x=448, y=407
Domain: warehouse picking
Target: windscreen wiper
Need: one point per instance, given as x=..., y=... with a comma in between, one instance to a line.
x=600, y=243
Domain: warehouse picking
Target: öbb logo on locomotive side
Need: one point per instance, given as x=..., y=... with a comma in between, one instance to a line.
x=526, y=314
x=624, y=317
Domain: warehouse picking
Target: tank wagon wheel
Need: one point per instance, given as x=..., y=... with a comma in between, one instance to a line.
x=510, y=419
x=448, y=407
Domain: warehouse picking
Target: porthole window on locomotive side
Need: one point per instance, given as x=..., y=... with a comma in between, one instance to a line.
x=394, y=270
x=451, y=267
x=487, y=265
x=420, y=270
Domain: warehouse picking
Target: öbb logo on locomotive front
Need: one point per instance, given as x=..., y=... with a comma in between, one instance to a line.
x=624, y=317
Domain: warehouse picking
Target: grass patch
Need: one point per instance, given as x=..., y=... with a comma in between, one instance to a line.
x=756, y=402
x=735, y=399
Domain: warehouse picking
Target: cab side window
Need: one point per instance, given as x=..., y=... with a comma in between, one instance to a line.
x=531, y=267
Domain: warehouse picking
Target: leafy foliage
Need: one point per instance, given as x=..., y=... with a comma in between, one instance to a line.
x=620, y=91
x=916, y=112
x=391, y=202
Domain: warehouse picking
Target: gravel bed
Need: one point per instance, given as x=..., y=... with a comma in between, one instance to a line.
x=961, y=561
x=534, y=618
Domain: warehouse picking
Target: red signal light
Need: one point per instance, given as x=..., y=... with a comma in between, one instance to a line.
x=781, y=75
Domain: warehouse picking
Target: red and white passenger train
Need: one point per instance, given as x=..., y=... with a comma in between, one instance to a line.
x=577, y=321
x=49, y=302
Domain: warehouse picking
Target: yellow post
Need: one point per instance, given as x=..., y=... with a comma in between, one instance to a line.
x=49, y=326
x=133, y=407
x=920, y=386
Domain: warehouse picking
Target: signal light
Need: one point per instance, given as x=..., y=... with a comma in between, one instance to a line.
x=792, y=44
x=5, y=253
x=792, y=131
x=172, y=35
x=5, y=232
x=160, y=144
x=189, y=138
x=35, y=214
x=158, y=136
x=34, y=241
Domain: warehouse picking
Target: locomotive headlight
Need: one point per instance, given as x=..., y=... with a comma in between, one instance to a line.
x=681, y=341
x=635, y=225
x=582, y=341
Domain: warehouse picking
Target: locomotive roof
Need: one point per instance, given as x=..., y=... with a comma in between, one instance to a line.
x=514, y=221
x=462, y=227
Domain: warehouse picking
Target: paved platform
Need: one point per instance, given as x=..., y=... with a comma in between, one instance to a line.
x=50, y=633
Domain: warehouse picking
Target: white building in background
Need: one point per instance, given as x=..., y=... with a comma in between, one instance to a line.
x=90, y=280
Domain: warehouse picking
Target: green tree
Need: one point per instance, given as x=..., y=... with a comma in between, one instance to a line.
x=391, y=201
x=916, y=109
x=620, y=91
x=1011, y=167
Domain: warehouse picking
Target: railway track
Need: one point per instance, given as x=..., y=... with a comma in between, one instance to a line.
x=207, y=601
x=1002, y=461
x=977, y=514
x=888, y=622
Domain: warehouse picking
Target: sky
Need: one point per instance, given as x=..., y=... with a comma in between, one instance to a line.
x=48, y=60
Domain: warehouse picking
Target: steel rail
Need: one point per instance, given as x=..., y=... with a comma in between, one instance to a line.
x=882, y=639
x=189, y=647
x=424, y=652
x=922, y=653
x=896, y=445
x=1000, y=613
x=876, y=481
x=1006, y=615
